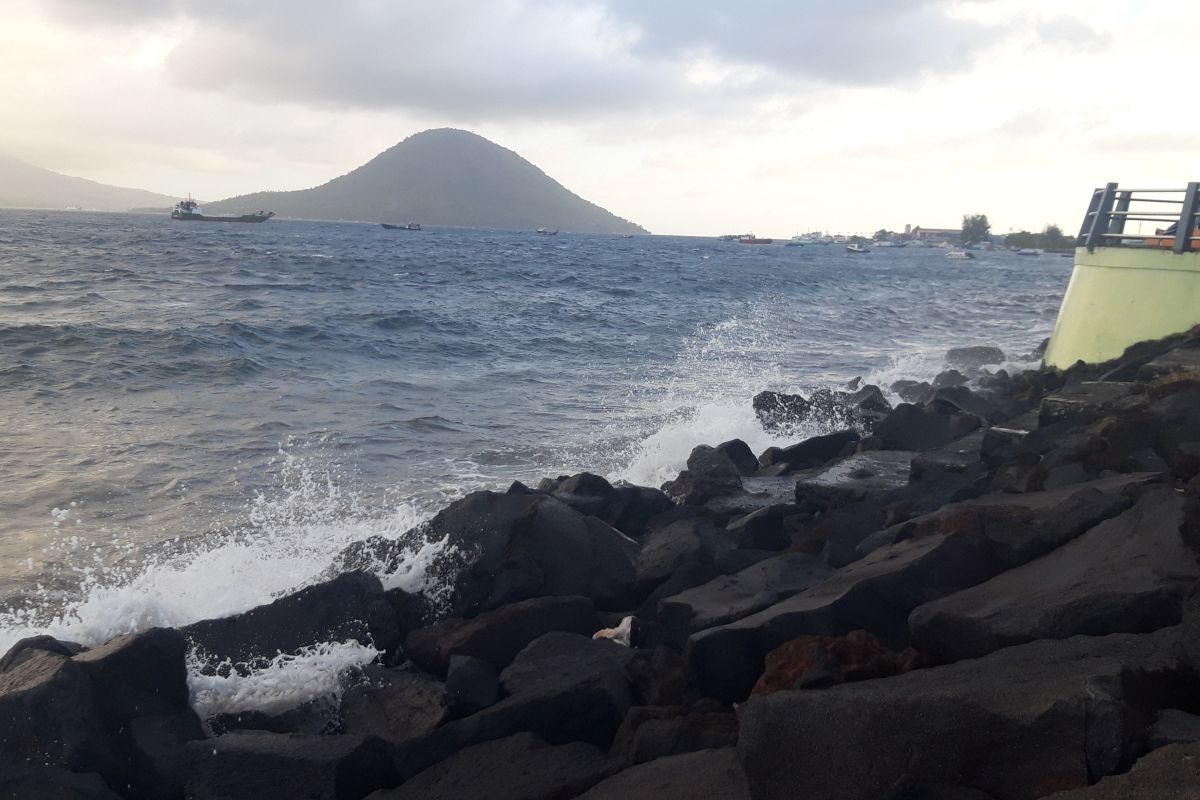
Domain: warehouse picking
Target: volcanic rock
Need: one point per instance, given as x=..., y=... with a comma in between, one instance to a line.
x=812, y=662
x=705, y=773
x=393, y=704
x=1170, y=773
x=970, y=358
x=811, y=452
x=471, y=685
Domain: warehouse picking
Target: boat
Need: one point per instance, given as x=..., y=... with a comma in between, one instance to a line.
x=1129, y=287
x=960, y=255
x=1029, y=251
x=412, y=226
x=857, y=248
x=732, y=237
x=189, y=211
x=547, y=231
x=750, y=238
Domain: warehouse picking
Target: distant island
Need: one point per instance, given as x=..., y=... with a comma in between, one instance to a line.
x=438, y=177
x=442, y=177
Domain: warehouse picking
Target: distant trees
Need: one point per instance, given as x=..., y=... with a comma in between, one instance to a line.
x=975, y=228
x=1051, y=238
x=881, y=234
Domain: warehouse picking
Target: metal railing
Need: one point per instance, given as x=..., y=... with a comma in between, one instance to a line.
x=1112, y=208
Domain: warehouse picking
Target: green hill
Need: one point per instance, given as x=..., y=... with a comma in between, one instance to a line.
x=441, y=177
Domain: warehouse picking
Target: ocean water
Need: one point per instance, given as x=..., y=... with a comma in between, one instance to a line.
x=195, y=418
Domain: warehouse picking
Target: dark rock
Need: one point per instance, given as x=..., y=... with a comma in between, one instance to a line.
x=1020, y=723
x=732, y=597
x=852, y=479
x=1169, y=773
x=813, y=662
x=312, y=718
x=413, y=610
x=519, y=767
x=1174, y=726
x=960, y=457
x=635, y=507
x=910, y=427
x=472, y=684
x=868, y=398
x=913, y=391
x=587, y=494
x=1179, y=361
x=811, y=452
x=137, y=675
x=950, y=377
x=49, y=715
x=1126, y=575
x=49, y=644
x=1084, y=402
x=961, y=399
x=971, y=358
x=651, y=732
x=740, y=454
x=705, y=773
x=497, y=636
x=253, y=764
x=710, y=473
x=351, y=606
x=39, y=781
x=756, y=493
x=159, y=754
x=393, y=704
x=688, y=541
x=659, y=674
x=762, y=529
x=776, y=409
x=562, y=687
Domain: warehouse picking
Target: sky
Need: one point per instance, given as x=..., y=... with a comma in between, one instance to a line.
x=685, y=116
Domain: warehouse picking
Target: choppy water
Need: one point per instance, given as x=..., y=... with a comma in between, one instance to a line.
x=194, y=418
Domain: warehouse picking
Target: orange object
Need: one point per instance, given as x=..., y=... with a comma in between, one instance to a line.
x=1168, y=240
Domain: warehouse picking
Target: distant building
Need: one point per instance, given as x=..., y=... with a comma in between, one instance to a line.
x=936, y=234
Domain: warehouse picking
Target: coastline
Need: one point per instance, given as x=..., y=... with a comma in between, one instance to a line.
x=848, y=616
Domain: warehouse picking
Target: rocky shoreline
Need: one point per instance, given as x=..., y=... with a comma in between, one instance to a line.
x=985, y=592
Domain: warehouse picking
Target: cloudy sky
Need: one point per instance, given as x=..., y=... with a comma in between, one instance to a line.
x=687, y=116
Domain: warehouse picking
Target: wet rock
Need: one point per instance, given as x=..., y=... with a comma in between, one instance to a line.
x=811, y=452
x=1126, y=575
x=254, y=764
x=762, y=529
x=1061, y=713
x=651, y=732
x=1170, y=773
x=776, y=409
x=137, y=675
x=471, y=685
x=950, y=377
x=709, y=474
x=813, y=662
x=395, y=705
x=972, y=358
x=666, y=550
x=916, y=392
x=312, y=718
x=1084, y=402
x=497, y=636
x=732, y=597
x=960, y=457
x=911, y=427
x=626, y=507
x=740, y=454
x=351, y=606
x=757, y=493
x=520, y=767
x=854, y=478
x=37, y=780
x=21, y=650
x=705, y=773
x=159, y=754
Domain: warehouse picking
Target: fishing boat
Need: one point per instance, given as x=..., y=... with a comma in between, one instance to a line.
x=857, y=248
x=1130, y=287
x=412, y=226
x=750, y=238
x=189, y=211
x=960, y=255
x=548, y=231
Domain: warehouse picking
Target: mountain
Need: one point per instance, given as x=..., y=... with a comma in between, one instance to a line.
x=26, y=186
x=441, y=177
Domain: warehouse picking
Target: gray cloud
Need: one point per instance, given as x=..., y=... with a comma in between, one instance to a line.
x=1071, y=32
x=469, y=61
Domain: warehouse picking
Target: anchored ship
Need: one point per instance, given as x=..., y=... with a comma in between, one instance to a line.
x=189, y=211
x=1130, y=287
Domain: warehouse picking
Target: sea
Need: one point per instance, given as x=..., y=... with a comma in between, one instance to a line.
x=196, y=418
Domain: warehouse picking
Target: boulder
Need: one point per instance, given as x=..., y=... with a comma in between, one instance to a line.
x=351, y=606
x=777, y=409
x=854, y=478
x=911, y=427
x=497, y=636
x=948, y=378
x=916, y=392
x=519, y=767
x=762, y=529
x=626, y=507
x=138, y=675
x=651, y=732
x=472, y=684
x=1020, y=723
x=256, y=764
x=731, y=597
x=562, y=687
x=972, y=358
x=1174, y=726
x=1126, y=575
x=37, y=781
x=312, y=718
x=1084, y=402
x=395, y=705
x=687, y=541
x=814, y=662
x=705, y=773
x=24, y=647
x=1169, y=773
x=159, y=754
x=960, y=457
x=812, y=452
x=710, y=473
x=740, y=454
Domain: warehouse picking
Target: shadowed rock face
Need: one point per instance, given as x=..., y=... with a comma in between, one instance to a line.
x=813, y=662
x=707, y=773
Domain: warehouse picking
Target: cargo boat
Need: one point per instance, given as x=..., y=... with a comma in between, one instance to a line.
x=189, y=211
x=1130, y=287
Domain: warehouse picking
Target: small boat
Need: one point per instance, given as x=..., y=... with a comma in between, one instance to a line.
x=857, y=248
x=1029, y=251
x=750, y=238
x=547, y=231
x=960, y=255
x=189, y=211
x=412, y=226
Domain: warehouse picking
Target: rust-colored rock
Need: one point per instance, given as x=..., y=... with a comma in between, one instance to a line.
x=814, y=661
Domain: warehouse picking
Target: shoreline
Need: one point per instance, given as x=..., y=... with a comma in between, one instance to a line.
x=727, y=634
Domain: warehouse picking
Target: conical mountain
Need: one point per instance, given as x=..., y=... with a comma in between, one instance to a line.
x=442, y=177
x=26, y=186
